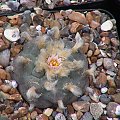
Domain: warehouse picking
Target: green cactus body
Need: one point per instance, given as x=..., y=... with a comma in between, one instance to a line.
x=50, y=69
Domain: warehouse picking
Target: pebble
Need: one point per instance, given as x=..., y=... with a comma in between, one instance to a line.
x=107, y=25
x=15, y=97
x=116, y=97
x=79, y=114
x=42, y=117
x=104, y=98
x=111, y=91
x=89, y=53
x=75, y=27
x=48, y=111
x=2, y=107
x=85, y=48
x=99, y=62
x=117, y=112
x=94, y=24
x=82, y=106
x=12, y=34
x=70, y=109
x=104, y=90
x=96, y=110
x=111, y=108
x=9, y=110
x=4, y=57
x=78, y=17
x=87, y=116
x=33, y=115
x=3, y=74
x=5, y=88
x=60, y=116
x=102, y=79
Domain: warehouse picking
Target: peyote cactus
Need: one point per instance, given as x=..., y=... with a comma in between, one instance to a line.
x=50, y=70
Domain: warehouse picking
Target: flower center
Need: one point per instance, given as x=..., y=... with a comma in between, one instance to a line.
x=54, y=62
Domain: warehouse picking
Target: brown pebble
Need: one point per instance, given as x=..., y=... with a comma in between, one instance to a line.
x=34, y=115
x=82, y=106
x=92, y=46
x=89, y=17
x=93, y=59
x=104, y=34
x=111, y=83
x=1, y=23
x=94, y=24
x=15, y=97
x=22, y=111
x=5, y=88
x=2, y=107
x=78, y=17
x=15, y=50
x=58, y=15
x=9, y=110
x=13, y=91
x=79, y=115
x=70, y=109
x=106, y=40
x=42, y=117
x=75, y=27
x=97, y=52
x=3, y=74
x=89, y=53
x=116, y=98
x=111, y=91
x=102, y=78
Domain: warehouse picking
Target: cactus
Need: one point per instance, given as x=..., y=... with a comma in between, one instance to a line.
x=50, y=70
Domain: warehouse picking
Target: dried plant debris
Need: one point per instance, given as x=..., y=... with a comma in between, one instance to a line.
x=62, y=65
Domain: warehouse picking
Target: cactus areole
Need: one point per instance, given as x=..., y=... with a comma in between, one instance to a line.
x=50, y=70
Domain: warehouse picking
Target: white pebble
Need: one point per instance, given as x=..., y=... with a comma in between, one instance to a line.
x=14, y=84
x=117, y=112
x=48, y=1
x=107, y=25
x=48, y=111
x=104, y=90
x=12, y=34
x=38, y=27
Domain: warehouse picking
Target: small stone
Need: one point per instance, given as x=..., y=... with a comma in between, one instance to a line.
x=108, y=63
x=15, y=97
x=22, y=111
x=93, y=59
x=3, y=74
x=60, y=116
x=96, y=110
x=44, y=117
x=34, y=115
x=75, y=27
x=9, y=110
x=115, y=42
x=5, y=88
x=99, y=62
x=104, y=90
x=105, y=99
x=4, y=57
x=15, y=50
x=116, y=97
x=111, y=83
x=111, y=109
x=2, y=107
x=102, y=78
x=107, y=25
x=70, y=109
x=87, y=116
x=117, y=112
x=58, y=15
x=97, y=52
x=94, y=24
x=82, y=106
x=106, y=40
x=89, y=53
x=48, y=111
x=89, y=17
x=111, y=91
x=79, y=114
x=12, y=34
x=78, y=17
